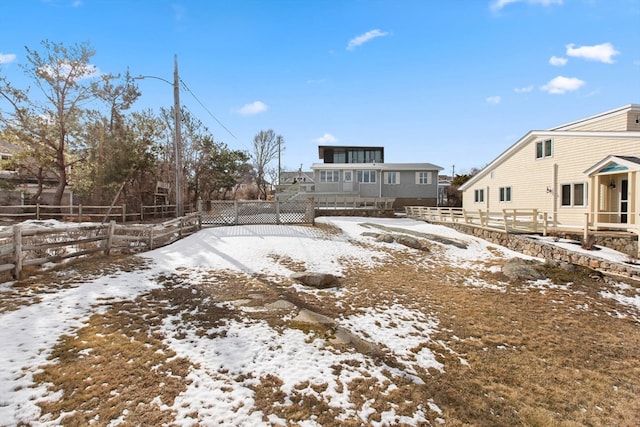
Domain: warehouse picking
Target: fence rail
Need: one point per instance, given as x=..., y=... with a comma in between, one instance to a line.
x=82, y=213
x=22, y=245
x=346, y=202
x=509, y=220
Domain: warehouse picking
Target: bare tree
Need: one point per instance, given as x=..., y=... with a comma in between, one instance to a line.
x=266, y=146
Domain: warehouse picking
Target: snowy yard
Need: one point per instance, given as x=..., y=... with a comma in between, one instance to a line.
x=209, y=331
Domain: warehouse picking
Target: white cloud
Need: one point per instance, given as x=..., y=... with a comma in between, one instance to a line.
x=600, y=52
x=499, y=4
x=557, y=61
x=327, y=138
x=63, y=70
x=256, y=107
x=525, y=89
x=6, y=58
x=363, y=38
x=561, y=85
x=493, y=100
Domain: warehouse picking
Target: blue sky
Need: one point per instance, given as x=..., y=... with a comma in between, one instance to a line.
x=449, y=82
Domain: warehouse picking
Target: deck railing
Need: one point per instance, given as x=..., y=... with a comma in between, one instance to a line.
x=526, y=220
x=509, y=220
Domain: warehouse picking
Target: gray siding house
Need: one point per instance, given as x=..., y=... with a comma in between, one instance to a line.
x=361, y=172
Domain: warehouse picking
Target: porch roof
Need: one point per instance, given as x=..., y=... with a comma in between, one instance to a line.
x=613, y=164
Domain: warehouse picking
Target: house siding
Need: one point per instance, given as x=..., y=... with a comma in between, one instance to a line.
x=407, y=191
x=616, y=123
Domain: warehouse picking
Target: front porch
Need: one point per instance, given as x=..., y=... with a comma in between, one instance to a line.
x=613, y=184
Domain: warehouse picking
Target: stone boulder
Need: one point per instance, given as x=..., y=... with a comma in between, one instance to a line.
x=410, y=242
x=316, y=280
x=523, y=269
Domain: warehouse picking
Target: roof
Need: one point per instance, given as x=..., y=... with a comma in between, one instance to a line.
x=7, y=147
x=596, y=117
x=556, y=131
x=613, y=164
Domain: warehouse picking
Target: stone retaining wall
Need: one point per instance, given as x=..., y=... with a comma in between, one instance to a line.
x=531, y=246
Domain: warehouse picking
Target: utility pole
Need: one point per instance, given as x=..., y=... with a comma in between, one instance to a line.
x=178, y=139
x=279, y=155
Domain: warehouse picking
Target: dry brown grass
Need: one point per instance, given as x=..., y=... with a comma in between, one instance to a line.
x=514, y=355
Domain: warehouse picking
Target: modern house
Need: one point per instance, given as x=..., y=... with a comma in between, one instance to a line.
x=361, y=172
x=586, y=170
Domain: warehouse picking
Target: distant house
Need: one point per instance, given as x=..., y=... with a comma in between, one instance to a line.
x=300, y=180
x=587, y=167
x=361, y=171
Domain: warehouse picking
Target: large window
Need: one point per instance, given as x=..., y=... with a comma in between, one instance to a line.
x=505, y=194
x=423, y=178
x=364, y=156
x=366, y=176
x=329, y=176
x=392, y=178
x=544, y=149
x=574, y=194
x=478, y=196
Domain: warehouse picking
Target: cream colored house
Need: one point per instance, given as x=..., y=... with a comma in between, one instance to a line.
x=587, y=170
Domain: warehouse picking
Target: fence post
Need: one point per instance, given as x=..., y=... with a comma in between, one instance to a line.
x=277, y=202
x=585, y=237
x=506, y=221
x=535, y=220
x=141, y=213
x=124, y=214
x=110, y=232
x=80, y=212
x=17, y=251
x=38, y=211
x=235, y=210
x=150, y=237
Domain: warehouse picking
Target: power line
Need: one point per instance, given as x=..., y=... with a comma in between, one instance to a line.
x=206, y=109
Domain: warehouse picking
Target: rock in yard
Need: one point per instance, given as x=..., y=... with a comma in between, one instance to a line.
x=410, y=242
x=518, y=268
x=316, y=280
x=386, y=238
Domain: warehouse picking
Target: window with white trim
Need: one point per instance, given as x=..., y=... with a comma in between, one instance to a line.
x=423, y=178
x=348, y=176
x=478, y=196
x=392, y=178
x=329, y=176
x=505, y=194
x=573, y=194
x=366, y=176
x=544, y=149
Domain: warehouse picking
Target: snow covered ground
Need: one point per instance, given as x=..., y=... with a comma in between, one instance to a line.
x=238, y=348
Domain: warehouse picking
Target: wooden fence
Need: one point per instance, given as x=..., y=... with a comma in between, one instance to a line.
x=508, y=220
x=22, y=246
x=82, y=213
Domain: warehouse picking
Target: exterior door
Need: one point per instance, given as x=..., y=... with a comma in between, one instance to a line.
x=624, y=200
